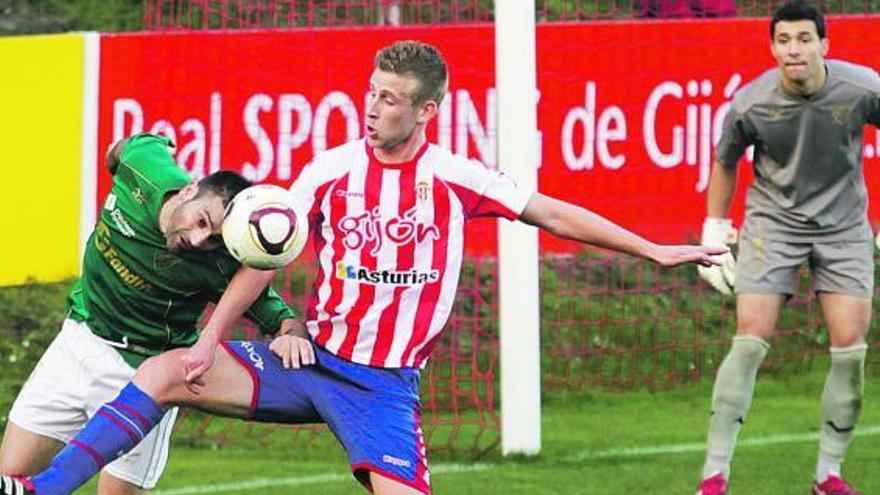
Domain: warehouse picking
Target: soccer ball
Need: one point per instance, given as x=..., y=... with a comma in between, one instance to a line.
x=263, y=229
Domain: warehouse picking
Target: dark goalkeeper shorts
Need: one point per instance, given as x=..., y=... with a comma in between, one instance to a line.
x=768, y=266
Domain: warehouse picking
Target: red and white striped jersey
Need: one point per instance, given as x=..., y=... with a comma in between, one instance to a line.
x=389, y=240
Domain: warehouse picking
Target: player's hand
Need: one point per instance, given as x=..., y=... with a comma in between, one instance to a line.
x=877, y=240
x=293, y=346
x=719, y=232
x=197, y=360
x=678, y=255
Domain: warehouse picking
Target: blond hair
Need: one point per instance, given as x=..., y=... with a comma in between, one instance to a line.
x=420, y=60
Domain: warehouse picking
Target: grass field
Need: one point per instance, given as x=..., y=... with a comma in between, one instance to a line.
x=594, y=442
x=586, y=437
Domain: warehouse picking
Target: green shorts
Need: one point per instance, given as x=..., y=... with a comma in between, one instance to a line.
x=767, y=266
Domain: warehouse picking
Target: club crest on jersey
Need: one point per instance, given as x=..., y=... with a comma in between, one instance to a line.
x=780, y=113
x=840, y=114
x=370, y=226
x=423, y=190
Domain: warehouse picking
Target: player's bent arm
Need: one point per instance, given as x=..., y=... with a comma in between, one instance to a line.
x=245, y=287
x=722, y=186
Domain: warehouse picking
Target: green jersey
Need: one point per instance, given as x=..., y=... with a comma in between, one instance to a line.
x=134, y=292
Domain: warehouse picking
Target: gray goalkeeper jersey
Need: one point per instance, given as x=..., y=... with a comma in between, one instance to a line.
x=809, y=184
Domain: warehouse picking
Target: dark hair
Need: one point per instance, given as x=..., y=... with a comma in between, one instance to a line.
x=224, y=184
x=417, y=59
x=798, y=10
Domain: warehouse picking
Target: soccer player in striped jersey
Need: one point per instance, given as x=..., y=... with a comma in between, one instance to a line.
x=151, y=265
x=808, y=204
x=387, y=216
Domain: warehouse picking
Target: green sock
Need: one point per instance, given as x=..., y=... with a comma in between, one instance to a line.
x=841, y=404
x=731, y=398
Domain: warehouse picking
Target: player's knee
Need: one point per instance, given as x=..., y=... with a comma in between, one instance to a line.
x=754, y=327
x=10, y=464
x=7, y=466
x=22, y=452
x=160, y=377
x=847, y=339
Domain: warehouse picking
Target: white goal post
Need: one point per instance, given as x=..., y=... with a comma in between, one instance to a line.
x=518, y=152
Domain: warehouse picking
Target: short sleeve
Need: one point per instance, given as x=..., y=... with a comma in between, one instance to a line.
x=734, y=139
x=496, y=194
x=149, y=154
x=874, y=103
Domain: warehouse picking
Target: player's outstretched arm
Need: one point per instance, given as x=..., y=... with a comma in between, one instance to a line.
x=570, y=221
x=243, y=290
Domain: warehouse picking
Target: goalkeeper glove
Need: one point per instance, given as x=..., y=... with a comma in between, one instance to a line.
x=719, y=232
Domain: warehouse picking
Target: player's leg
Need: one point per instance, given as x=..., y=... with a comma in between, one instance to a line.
x=844, y=283
x=765, y=275
x=25, y=452
x=227, y=387
x=735, y=381
x=139, y=470
x=48, y=410
x=77, y=370
x=120, y=424
x=847, y=317
x=106, y=373
x=375, y=414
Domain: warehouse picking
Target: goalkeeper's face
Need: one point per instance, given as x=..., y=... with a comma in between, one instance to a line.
x=799, y=51
x=393, y=116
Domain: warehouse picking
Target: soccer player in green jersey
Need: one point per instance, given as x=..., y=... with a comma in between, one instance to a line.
x=153, y=262
x=808, y=203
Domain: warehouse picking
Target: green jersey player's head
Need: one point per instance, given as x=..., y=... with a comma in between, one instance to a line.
x=406, y=87
x=799, y=45
x=191, y=218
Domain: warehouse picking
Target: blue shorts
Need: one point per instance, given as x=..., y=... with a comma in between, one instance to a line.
x=374, y=412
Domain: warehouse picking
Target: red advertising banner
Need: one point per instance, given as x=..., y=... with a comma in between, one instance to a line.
x=628, y=111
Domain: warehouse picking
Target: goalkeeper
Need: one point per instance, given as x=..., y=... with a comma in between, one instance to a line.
x=808, y=203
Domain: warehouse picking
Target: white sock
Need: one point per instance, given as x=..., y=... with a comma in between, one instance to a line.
x=841, y=404
x=731, y=398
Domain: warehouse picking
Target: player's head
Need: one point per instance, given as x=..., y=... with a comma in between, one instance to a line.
x=406, y=87
x=195, y=221
x=798, y=41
